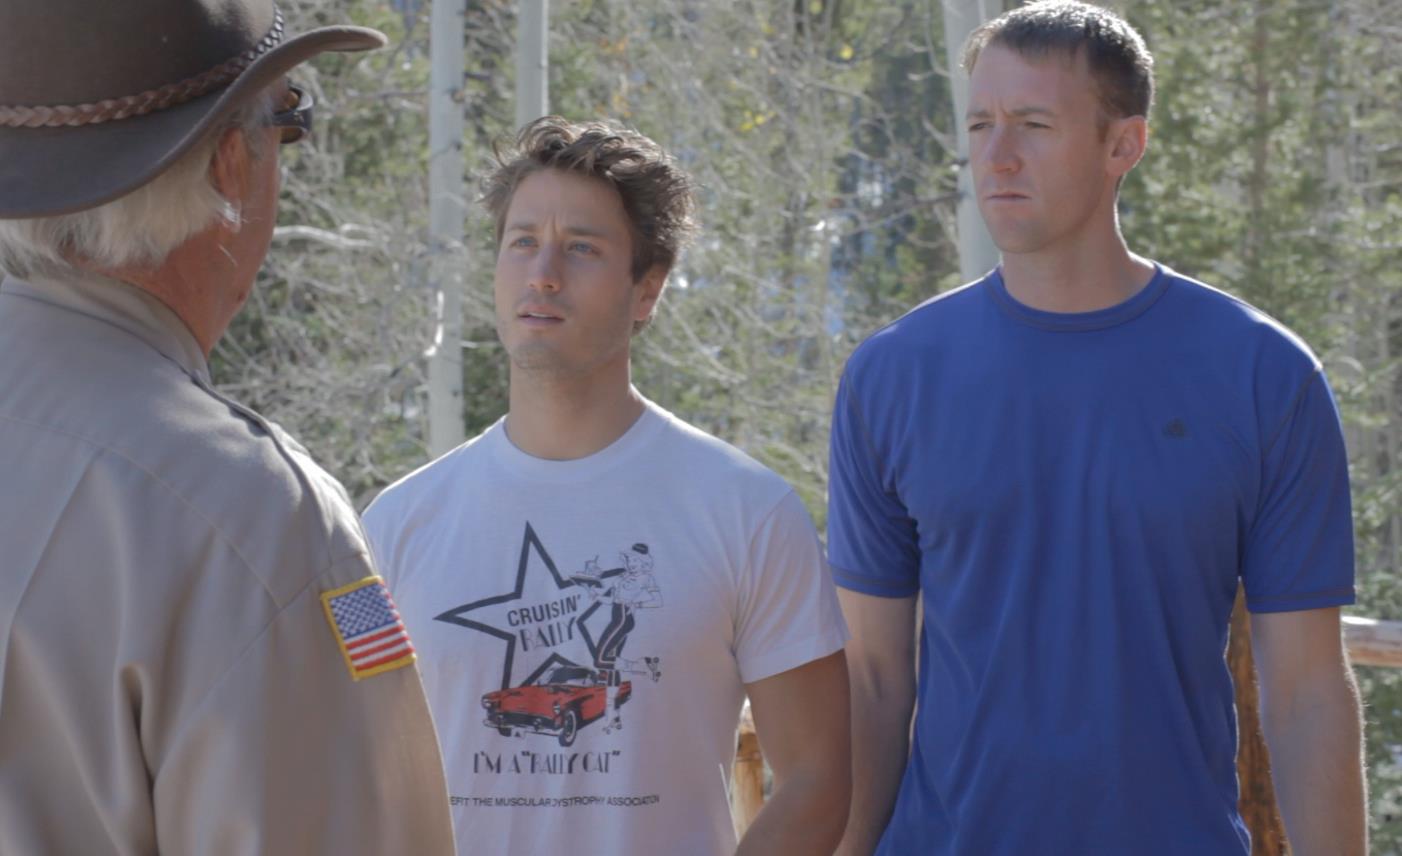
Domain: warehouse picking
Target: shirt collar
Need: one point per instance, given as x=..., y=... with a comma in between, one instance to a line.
x=122, y=305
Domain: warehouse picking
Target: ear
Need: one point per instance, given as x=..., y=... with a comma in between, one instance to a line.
x=231, y=169
x=1129, y=137
x=650, y=287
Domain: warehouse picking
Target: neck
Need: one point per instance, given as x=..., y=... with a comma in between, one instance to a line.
x=1095, y=272
x=198, y=281
x=564, y=417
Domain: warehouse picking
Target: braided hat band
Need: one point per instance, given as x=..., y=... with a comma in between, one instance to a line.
x=150, y=101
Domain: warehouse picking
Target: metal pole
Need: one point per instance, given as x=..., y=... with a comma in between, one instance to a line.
x=977, y=253
x=447, y=215
x=532, y=60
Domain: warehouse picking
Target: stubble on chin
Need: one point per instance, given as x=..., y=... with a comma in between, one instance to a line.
x=525, y=355
x=536, y=358
x=542, y=363
x=1016, y=239
x=548, y=359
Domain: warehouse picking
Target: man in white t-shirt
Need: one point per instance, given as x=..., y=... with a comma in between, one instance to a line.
x=535, y=651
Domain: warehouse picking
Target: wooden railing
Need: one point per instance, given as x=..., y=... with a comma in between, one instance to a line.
x=1370, y=642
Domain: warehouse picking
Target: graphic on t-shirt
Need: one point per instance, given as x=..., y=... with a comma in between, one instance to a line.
x=563, y=663
x=635, y=589
x=567, y=699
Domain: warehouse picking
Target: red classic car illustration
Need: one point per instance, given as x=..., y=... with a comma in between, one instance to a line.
x=564, y=701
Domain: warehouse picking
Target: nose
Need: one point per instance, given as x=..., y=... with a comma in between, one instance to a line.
x=1000, y=150
x=544, y=273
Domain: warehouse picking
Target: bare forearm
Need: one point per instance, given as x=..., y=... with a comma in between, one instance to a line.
x=1317, y=764
x=805, y=816
x=881, y=661
x=880, y=750
x=802, y=721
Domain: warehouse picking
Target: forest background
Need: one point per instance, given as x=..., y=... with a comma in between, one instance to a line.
x=821, y=135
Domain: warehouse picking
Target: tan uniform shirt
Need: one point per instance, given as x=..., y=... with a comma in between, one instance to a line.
x=170, y=680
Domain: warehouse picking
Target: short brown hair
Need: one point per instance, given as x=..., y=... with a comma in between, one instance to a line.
x=657, y=195
x=1119, y=61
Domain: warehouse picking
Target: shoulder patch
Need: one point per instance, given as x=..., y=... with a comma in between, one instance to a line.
x=367, y=627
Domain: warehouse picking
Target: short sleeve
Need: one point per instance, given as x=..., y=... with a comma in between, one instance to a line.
x=788, y=613
x=872, y=540
x=288, y=753
x=1299, y=550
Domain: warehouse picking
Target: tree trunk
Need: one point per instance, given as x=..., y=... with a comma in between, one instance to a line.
x=977, y=253
x=447, y=217
x=1257, y=230
x=1253, y=762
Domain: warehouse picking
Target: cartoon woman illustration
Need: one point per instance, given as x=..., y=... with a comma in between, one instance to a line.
x=634, y=589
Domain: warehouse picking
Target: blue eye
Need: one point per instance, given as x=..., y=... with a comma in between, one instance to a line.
x=523, y=241
x=581, y=247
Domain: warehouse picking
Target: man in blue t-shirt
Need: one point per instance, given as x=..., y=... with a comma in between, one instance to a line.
x=1075, y=460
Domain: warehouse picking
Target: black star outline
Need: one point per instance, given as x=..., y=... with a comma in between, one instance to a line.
x=457, y=615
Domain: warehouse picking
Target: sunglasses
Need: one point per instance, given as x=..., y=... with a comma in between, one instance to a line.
x=294, y=123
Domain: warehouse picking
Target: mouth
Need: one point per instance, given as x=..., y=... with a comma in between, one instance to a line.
x=537, y=315
x=1006, y=197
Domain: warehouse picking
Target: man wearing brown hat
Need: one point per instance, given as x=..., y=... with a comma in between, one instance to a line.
x=196, y=653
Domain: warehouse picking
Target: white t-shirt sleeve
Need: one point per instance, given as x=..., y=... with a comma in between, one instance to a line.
x=788, y=613
x=379, y=531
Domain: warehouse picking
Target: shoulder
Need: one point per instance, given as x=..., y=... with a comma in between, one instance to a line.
x=900, y=354
x=707, y=461
x=174, y=452
x=284, y=514
x=211, y=463
x=1246, y=361
x=919, y=329
x=1216, y=318
x=426, y=489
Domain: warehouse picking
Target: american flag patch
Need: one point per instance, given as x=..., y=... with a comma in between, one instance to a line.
x=367, y=627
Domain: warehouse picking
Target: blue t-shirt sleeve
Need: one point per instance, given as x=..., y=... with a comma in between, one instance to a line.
x=1299, y=551
x=872, y=542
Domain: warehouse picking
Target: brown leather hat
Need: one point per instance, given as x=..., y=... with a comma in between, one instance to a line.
x=98, y=97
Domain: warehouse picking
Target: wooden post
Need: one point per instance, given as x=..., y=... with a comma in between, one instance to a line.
x=747, y=776
x=1253, y=763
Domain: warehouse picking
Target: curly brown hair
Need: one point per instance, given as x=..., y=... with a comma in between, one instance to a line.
x=657, y=195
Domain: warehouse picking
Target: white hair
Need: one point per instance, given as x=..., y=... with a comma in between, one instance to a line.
x=141, y=228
